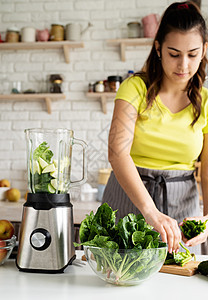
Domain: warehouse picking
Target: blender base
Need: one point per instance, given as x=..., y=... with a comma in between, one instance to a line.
x=46, y=271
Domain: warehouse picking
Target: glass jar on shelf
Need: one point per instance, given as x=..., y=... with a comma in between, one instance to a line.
x=114, y=83
x=99, y=87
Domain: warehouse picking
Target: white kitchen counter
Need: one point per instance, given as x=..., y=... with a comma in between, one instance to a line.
x=12, y=211
x=80, y=282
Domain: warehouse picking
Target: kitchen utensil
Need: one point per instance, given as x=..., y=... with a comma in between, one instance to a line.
x=74, y=31
x=188, y=269
x=125, y=266
x=47, y=231
x=28, y=34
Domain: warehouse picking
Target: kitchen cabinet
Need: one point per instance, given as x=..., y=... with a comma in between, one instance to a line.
x=124, y=43
x=103, y=97
x=64, y=45
x=46, y=97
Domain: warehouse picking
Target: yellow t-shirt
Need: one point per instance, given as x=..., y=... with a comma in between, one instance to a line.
x=164, y=140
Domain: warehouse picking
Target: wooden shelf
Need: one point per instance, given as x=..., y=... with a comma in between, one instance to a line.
x=103, y=98
x=123, y=43
x=46, y=97
x=65, y=45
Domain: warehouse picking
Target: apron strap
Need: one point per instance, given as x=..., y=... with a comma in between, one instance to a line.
x=160, y=182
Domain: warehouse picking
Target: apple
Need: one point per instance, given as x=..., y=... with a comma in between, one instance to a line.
x=13, y=195
x=6, y=230
x=4, y=183
x=3, y=252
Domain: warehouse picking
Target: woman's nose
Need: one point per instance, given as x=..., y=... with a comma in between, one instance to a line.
x=183, y=63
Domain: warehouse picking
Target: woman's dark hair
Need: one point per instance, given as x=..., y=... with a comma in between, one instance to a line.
x=179, y=16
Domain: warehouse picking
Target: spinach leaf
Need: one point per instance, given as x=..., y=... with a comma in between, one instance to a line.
x=85, y=227
x=180, y=258
x=192, y=228
x=43, y=151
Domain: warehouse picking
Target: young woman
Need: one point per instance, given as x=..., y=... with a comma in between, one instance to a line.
x=160, y=128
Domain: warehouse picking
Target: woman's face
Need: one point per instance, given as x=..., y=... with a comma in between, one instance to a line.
x=181, y=55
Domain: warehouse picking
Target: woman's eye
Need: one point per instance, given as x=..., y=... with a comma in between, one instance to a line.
x=174, y=55
x=192, y=55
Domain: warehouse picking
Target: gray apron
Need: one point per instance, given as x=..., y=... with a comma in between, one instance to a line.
x=173, y=191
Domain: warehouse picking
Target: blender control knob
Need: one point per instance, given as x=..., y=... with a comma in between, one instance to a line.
x=40, y=239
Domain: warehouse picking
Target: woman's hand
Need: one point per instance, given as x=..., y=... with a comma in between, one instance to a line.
x=168, y=229
x=201, y=238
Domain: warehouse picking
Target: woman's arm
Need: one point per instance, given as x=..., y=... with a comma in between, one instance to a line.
x=204, y=185
x=121, y=136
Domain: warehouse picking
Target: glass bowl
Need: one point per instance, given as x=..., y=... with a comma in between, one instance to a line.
x=125, y=267
x=6, y=247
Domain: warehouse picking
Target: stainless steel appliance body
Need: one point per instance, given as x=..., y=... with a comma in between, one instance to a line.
x=46, y=234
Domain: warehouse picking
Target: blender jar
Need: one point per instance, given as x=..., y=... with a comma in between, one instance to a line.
x=49, y=160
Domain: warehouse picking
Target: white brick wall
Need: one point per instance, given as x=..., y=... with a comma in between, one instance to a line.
x=95, y=61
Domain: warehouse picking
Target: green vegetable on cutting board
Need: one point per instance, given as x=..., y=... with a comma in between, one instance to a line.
x=131, y=232
x=180, y=258
x=192, y=228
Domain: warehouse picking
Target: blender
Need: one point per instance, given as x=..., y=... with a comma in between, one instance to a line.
x=47, y=229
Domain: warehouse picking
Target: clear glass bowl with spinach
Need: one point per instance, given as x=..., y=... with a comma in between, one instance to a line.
x=125, y=253
x=125, y=266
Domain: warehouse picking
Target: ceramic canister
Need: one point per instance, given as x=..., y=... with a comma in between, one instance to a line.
x=73, y=32
x=150, y=24
x=57, y=32
x=28, y=34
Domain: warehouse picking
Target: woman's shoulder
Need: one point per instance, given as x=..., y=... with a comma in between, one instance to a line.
x=132, y=90
x=136, y=82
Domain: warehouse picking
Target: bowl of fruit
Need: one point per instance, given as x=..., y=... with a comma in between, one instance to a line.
x=125, y=253
x=7, y=240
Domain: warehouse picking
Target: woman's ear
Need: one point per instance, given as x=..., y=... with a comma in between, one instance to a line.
x=157, y=48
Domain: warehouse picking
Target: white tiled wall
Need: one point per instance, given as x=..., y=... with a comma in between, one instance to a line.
x=95, y=61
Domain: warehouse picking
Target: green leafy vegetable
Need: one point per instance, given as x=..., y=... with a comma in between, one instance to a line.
x=180, y=258
x=203, y=267
x=192, y=228
x=45, y=176
x=119, y=248
x=44, y=152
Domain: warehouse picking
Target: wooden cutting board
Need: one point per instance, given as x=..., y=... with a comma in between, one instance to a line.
x=188, y=269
